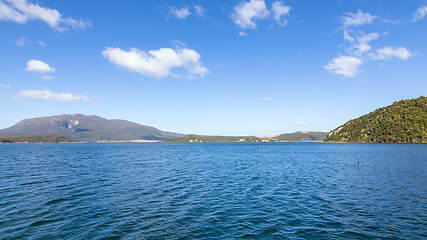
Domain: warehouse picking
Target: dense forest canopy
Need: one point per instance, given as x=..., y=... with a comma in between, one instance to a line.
x=402, y=122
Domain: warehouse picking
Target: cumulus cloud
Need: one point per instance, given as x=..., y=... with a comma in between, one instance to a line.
x=345, y=65
x=200, y=11
x=390, y=52
x=4, y=85
x=22, y=41
x=300, y=122
x=51, y=96
x=21, y=11
x=280, y=9
x=420, y=13
x=242, y=33
x=39, y=66
x=246, y=13
x=181, y=13
x=157, y=63
x=358, y=19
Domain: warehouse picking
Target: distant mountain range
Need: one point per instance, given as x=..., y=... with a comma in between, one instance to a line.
x=86, y=129
x=402, y=122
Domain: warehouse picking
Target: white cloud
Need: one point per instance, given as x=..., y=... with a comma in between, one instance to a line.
x=301, y=122
x=46, y=77
x=420, y=13
x=363, y=39
x=347, y=36
x=389, y=52
x=242, y=33
x=267, y=99
x=246, y=13
x=361, y=47
x=51, y=96
x=200, y=11
x=360, y=50
x=4, y=85
x=157, y=63
x=39, y=66
x=280, y=9
x=181, y=13
x=21, y=11
x=41, y=43
x=345, y=65
x=357, y=19
x=22, y=41
x=77, y=24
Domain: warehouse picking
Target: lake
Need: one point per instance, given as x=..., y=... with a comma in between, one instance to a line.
x=213, y=191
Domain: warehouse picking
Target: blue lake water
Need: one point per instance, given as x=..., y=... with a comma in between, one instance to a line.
x=213, y=191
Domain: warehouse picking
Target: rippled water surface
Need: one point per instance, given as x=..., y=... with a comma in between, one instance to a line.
x=213, y=191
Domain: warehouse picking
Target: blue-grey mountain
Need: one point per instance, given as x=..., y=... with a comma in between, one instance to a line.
x=86, y=128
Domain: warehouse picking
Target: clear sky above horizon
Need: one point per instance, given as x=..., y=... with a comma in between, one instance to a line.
x=223, y=67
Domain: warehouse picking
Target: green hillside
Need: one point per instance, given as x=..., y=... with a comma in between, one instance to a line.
x=303, y=136
x=37, y=139
x=86, y=128
x=402, y=122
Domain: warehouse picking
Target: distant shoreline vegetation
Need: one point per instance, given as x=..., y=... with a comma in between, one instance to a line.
x=38, y=139
x=287, y=137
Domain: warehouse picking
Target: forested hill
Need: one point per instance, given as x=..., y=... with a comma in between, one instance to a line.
x=402, y=122
x=303, y=136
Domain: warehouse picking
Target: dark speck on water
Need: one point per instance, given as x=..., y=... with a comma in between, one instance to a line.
x=213, y=191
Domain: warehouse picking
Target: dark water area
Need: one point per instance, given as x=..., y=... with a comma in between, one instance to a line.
x=213, y=191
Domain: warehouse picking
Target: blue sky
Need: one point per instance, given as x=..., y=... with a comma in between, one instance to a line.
x=249, y=67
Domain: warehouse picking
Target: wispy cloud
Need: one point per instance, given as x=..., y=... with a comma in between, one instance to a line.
x=267, y=99
x=21, y=11
x=300, y=122
x=242, y=33
x=22, y=41
x=200, y=11
x=4, y=85
x=420, y=13
x=157, y=63
x=41, y=43
x=50, y=96
x=39, y=66
x=46, y=77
